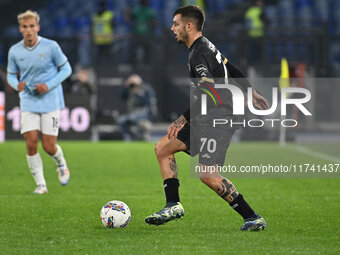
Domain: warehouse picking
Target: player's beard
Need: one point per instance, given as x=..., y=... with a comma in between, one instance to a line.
x=184, y=37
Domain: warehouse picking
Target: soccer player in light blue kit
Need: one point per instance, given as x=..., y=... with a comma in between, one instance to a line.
x=41, y=67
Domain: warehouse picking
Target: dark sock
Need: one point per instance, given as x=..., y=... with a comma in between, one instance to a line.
x=171, y=191
x=242, y=207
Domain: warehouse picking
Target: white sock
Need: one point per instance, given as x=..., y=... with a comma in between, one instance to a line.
x=58, y=158
x=36, y=166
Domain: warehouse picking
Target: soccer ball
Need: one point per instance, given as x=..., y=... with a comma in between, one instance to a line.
x=115, y=214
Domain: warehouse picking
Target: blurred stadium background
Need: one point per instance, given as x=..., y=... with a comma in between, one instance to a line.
x=306, y=32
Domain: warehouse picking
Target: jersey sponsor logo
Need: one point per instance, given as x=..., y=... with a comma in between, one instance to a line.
x=202, y=70
x=206, y=155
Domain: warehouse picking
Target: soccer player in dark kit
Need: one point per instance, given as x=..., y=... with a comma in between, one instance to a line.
x=191, y=134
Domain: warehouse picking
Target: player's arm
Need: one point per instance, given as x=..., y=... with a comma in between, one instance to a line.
x=12, y=70
x=64, y=72
x=13, y=81
x=199, y=65
x=238, y=76
x=258, y=101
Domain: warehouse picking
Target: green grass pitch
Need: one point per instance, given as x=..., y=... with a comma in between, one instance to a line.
x=302, y=214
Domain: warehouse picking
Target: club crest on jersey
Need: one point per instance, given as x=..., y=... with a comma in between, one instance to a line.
x=202, y=70
x=42, y=56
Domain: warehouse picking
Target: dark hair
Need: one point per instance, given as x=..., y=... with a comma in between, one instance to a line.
x=192, y=12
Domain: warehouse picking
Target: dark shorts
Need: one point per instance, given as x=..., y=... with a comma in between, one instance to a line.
x=210, y=143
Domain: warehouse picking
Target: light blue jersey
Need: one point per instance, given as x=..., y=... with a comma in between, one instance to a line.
x=40, y=64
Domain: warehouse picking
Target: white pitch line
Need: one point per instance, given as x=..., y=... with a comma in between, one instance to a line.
x=316, y=154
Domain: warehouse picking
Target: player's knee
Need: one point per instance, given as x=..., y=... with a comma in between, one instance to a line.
x=49, y=147
x=32, y=146
x=159, y=149
x=156, y=148
x=32, y=142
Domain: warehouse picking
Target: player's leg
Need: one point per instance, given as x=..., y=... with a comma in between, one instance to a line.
x=227, y=191
x=30, y=126
x=213, y=148
x=165, y=150
x=223, y=187
x=31, y=140
x=50, y=130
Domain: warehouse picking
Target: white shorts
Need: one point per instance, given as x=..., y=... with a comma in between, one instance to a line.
x=47, y=123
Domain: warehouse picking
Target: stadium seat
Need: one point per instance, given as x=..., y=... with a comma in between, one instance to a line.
x=321, y=10
x=63, y=25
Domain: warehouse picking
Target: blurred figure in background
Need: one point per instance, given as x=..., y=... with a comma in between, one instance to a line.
x=143, y=27
x=200, y=3
x=103, y=34
x=141, y=108
x=255, y=23
x=81, y=82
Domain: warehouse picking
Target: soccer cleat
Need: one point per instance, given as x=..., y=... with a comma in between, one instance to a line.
x=166, y=214
x=254, y=224
x=63, y=175
x=40, y=189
